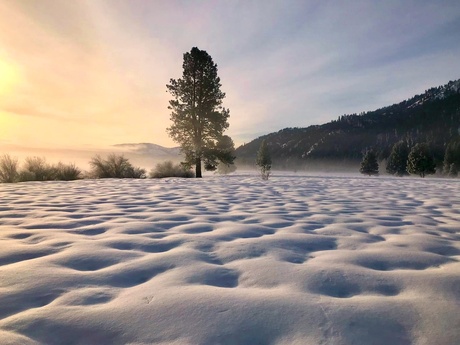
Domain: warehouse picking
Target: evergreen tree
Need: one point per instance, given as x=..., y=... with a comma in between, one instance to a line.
x=369, y=164
x=198, y=117
x=420, y=160
x=264, y=160
x=397, y=161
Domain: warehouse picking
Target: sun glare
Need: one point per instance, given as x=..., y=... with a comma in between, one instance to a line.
x=9, y=76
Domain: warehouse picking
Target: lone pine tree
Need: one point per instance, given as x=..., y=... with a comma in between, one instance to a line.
x=369, y=164
x=199, y=120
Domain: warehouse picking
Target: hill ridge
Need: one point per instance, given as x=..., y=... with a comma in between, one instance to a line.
x=433, y=117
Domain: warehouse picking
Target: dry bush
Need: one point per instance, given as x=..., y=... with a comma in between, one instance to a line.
x=37, y=169
x=67, y=172
x=114, y=166
x=168, y=169
x=8, y=169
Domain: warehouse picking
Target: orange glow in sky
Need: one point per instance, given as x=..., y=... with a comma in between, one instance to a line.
x=89, y=74
x=76, y=82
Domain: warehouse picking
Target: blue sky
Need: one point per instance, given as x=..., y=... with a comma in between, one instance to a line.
x=92, y=73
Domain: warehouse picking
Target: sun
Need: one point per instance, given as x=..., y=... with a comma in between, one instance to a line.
x=9, y=77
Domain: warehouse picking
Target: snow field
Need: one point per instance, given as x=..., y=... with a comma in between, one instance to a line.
x=231, y=260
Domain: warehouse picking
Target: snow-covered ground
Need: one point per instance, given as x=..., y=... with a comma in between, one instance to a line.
x=231, y=260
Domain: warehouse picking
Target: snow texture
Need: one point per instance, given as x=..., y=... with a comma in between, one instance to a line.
x=231, y=260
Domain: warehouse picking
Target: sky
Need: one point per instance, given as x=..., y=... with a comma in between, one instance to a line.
x=88, y=74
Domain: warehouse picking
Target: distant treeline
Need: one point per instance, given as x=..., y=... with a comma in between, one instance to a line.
x=419, y=160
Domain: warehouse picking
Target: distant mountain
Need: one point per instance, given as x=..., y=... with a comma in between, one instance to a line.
x=432, y=117
x=149, y=149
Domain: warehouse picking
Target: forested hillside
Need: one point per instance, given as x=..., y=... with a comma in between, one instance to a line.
x=432, y=117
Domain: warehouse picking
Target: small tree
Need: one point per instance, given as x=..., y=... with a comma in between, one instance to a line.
x=198, y=117
x=420, y=161
x=264, y=160
x=8, y=169
x=369, y=164
x=397, y=161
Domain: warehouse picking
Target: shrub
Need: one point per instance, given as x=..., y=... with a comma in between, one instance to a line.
x=114, y=166
x=168, y=169
x=25, y=175
x=99, y=168
x=36, y=169
x=67, y=172
x=135, y=172
x=8, y=169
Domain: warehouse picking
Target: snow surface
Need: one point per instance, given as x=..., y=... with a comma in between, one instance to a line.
x=231, y=260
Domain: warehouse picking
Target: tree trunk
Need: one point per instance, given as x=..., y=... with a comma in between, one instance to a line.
x=198, y=167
